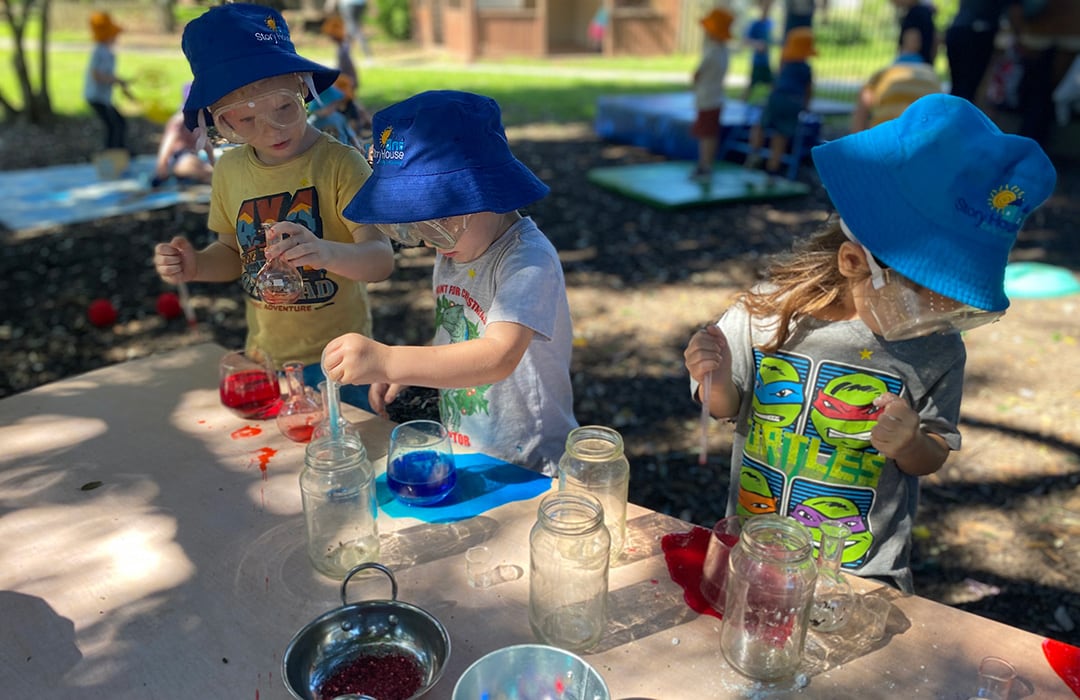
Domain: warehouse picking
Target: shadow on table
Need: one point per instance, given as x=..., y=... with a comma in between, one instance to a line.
x=36, y=638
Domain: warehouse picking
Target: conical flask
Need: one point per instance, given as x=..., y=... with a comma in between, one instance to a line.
x=278, y=282
x=834, y=601
x=301, y=412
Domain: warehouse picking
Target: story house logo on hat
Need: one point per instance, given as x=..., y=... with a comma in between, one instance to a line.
x=939, y=194
x=390, y=150
x=232, y=45
x=442, y=153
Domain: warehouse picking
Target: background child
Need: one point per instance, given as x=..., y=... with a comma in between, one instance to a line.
x=101, y=77
x=892, y=89
x=759, y=38
x=178, y=154
x=709, y=90
x=844, y=371
x=917, y=32
x=444, y=175
x=790, y=96
x=250, y=84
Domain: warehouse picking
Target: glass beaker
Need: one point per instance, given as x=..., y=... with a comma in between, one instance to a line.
x=248, y=384
x=569, y=547
x=770, y=589
x=338, y=491
x=300, y=412
x=594, y=462
x=834, y=601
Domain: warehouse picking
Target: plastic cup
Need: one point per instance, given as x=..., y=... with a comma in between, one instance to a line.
x=996, y=676
x=724, y=537
x=478, y=566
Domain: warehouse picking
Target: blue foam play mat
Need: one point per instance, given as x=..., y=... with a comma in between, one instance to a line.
x=67, y=194
x=1035, y=280
x=667, y=184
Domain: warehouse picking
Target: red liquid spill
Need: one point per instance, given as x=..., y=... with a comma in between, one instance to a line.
x=386, y=677
x=1065, y=660
x=299, y=433
x=560, y=687
x=245, y=432
x=263, y=456
x=251, y=394
x=684, y=553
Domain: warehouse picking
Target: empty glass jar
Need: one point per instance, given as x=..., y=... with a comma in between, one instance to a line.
x=338, y=490
x=569, y=548
x=594, y=462
x=770, y=589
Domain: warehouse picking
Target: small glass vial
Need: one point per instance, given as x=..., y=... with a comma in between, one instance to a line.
x=329, y=391
x=770, y=589
x=834, y=601
x=338, y=490
x=569, y=548
x=301, y=412
x=594, y=462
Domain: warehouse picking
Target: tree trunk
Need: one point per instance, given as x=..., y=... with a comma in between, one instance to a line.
x=37, y=108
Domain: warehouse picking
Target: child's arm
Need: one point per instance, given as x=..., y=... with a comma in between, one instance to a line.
x=178, y=261
x=357, y=359
x=370, y=258
x=898, y=436
x=707, y=353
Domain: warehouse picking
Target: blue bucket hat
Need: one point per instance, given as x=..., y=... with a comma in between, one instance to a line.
x=441, y=153
x=232, y=45
x=939, y=194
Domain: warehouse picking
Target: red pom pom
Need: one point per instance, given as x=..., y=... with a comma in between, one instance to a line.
x=168, y=305
x=101, y=313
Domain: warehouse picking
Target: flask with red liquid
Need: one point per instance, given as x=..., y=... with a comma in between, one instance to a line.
x=249, y=385
x=300, y=412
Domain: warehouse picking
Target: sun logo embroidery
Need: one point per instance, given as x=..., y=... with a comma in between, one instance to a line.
x=271, y=24
x=384, y=137
x=1007, y=202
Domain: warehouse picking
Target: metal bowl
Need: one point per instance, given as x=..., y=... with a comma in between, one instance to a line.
x=367, y=628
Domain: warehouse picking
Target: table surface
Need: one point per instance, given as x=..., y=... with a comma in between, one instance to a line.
x=184, y=574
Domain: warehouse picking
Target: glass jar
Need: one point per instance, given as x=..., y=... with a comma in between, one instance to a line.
x=569, y=548
x=594, y=462
x=770, y=589
x=300, y=412
x=338, y=490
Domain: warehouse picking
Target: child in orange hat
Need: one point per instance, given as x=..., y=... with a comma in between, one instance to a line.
x=790, y=95
x=709, y=90
x=101, y=77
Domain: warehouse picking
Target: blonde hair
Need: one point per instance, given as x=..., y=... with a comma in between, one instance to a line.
x=805, y=281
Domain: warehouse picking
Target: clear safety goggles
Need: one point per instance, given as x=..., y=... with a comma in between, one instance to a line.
x=439, y=233
x=244, y=120
x=904, y=309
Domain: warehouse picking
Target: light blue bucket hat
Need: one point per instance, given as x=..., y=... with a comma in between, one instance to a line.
x=939, y=194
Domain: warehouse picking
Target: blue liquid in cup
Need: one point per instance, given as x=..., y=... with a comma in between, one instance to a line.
x=421, y=478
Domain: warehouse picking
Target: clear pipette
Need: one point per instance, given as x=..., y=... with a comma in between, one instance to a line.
x=705, y=390
x=333, y=401
x=185, y=303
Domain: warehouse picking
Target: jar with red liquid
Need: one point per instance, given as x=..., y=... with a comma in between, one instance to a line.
x=300, y=412
x=248, y=384
x=770, y=590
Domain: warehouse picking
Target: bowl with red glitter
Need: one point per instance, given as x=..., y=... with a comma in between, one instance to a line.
x=385, y=649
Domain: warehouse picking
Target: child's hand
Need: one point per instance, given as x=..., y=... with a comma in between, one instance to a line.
x=296, y=245
x=381, y=395
x=897, y=427
x=175, y=260
x=708, y=353
x=353, y=359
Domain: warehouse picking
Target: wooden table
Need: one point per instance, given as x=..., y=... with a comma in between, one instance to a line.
x=183, y=575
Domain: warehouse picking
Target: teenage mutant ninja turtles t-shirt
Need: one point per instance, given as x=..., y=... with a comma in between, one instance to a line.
x=802, y=436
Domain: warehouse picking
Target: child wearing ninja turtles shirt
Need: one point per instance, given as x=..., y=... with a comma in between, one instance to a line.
x=843, y=371
x=443, y=175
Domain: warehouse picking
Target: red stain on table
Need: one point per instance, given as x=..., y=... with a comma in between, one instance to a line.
x=262, y=456
x=246, y=432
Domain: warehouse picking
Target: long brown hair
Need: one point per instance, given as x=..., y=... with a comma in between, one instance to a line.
x=805, y=281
